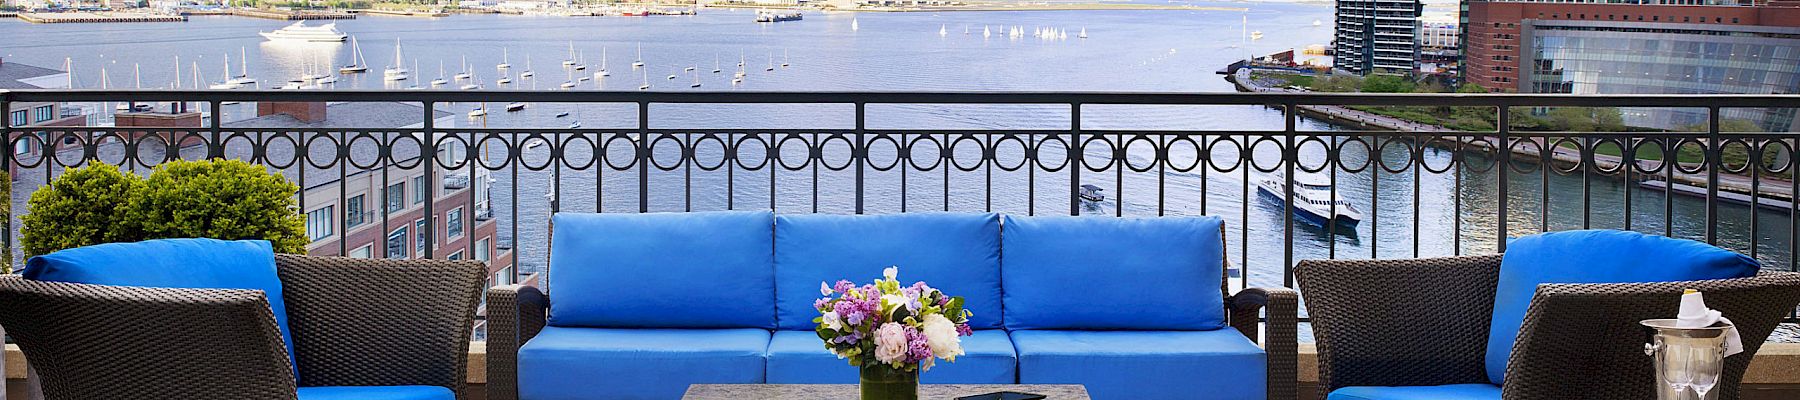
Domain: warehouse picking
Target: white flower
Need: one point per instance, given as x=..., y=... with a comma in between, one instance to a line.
x=890, y=272
x=941, y=335
x=832, y=321
x=824, y=290
x=891, y=302
x=890, y=343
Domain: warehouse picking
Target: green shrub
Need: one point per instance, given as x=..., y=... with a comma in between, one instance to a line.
x=79, y=208
x=222, y=199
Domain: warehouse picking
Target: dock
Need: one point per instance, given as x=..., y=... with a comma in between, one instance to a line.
x=1762, y=202
x=96, y=17
x=403, y=13
x=292, y=15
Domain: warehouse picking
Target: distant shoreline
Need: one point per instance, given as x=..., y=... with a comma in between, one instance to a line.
x=1012, y=7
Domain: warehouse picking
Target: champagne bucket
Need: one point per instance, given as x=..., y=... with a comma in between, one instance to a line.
x=1689, y=361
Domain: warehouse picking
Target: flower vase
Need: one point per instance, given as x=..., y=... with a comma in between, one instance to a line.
x=883, y=382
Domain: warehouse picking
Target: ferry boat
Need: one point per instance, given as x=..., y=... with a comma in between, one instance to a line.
x=768, y=16
x=299, y=32
x=1313, y=199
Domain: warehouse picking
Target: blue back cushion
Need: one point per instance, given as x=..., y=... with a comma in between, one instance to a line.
x=1113, y=273
x=171, y=263
x=956, y=253
x=1594, y=256
x=663, y=270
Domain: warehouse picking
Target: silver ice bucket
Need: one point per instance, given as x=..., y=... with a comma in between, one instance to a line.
x=1688, y=360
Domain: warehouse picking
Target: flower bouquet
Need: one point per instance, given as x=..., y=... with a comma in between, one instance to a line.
x=891, y=332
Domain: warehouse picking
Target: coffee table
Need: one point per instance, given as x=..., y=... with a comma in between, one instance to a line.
x=850, y=392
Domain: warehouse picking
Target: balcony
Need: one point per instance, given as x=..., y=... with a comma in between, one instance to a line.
x=1426, y=191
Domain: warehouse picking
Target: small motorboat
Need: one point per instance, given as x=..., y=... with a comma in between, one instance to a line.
x=515, y=106
x=1091, y=193
x=562, y=114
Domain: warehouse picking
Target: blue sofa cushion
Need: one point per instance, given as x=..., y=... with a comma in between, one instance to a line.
x=800, y=357
x=376, y=393
x=1222, y=364
x=1594, y=256
x=1467, y=391
x=956, y=253
x=663, y=270
x=172, y=263
x=602, y=363
x=1113, y=273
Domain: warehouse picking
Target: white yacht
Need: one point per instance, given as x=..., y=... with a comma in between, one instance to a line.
x=396, y=72
x=357, y=63
x=299, y=32
x=1313, y=201
x=515, y=106
x=505, y=63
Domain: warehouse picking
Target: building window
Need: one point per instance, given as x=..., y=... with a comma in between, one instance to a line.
x=354, y=212
x=420, y=191
x=396, y=197
x=396, y=243
x=423, y=233
x=481, y=249
x=453, y=223
x=457, y=256
x=19, y=118
x=504, y=277
x=362, y=252
x=318, y=223
x=46, y=113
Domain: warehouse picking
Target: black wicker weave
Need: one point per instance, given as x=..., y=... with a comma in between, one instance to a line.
x=1425, y=322
x=355, y=322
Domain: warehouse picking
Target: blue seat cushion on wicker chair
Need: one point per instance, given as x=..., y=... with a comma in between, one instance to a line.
x=602, y=363
x=663, y=270
x=800, y=357
x=1113, y=273
x=172, y=263
x=376, y=393
x=1467, y=391
x=1594, y=256
x=956, y=253
x=1216, y=364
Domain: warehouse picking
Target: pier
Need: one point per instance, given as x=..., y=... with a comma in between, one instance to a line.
x=403, y=13
x=292, y=15
x=96, y=17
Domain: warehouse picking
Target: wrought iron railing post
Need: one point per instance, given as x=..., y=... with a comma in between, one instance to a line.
x=643, y=157
x=860, y=153
x=1713, y=162
x=1076, y=158
x=1503, y=169
x=215, y=148
x=1289, y=155
x=428, y=158
x=6, y=163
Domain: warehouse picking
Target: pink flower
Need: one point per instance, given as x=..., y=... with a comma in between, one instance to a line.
x=891, y=344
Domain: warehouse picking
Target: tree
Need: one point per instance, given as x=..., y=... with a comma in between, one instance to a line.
x=82, y=207
x=221, y=199
x=1337, y=83
x=1386, y=84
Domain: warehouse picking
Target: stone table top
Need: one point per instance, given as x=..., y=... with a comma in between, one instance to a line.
x=850, y=392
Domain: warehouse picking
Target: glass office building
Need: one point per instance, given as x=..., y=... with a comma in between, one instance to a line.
x=1616, y=57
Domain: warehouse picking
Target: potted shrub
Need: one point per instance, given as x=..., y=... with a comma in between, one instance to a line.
x=221, y=199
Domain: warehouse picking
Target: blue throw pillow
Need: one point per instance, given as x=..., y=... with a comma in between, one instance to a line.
x=172, y=263
x=1594, y=256
x=663, y=270
x=956, y=253
x=1160, y=273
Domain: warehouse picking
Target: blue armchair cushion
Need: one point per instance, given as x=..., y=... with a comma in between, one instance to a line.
x=376, y=393
x=1466, y=391
x=1594, y=256
x=1221, y=363
x=800, y=357
x=663, y=270
x=602, y=363
x=172, y=263
x=1113, y=273
x=956, y=253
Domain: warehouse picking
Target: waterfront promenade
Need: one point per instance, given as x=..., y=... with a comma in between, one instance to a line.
x=1767, y=188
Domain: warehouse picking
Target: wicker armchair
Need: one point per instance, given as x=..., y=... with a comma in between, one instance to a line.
x=1425, y=322
x=355, y=322
x=516, y=313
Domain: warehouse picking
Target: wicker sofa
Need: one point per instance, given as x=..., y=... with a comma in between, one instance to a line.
x=1422, y=327
x=357, y=324
x=608, y=330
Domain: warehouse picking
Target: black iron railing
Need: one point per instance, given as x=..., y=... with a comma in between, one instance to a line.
x=1416, y=193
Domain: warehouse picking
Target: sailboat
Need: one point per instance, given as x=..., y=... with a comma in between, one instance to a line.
x=1256, y=35
x=504, y=79
x=515, y=106
x=1317, y=22
x=569, y=62
x=478, y=112
x=646, y=85
x=740, y=72
x=224, y=84
x=603, y=72
x=396, y=72
x=696, y=80
x=1083, y=34
x=640, y=59
x=671, y=76
x=357, y=65
x=415, y=85
x=854, y=26
x=581, y=61
x=464, y=75
x=716, y=63
x=942, y=31
x=505, y=61
x=527, y=73
x=784, y=58
x=243, y=77
x=440, y=81
x=985, y=32
x=771, y=61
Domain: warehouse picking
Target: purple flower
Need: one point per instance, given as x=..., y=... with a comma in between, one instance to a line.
x=917, y=348
x=821, y=303
x=964, y=330
x=843, y=286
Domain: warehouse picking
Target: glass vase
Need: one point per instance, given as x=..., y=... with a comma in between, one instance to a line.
x=883, y=382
